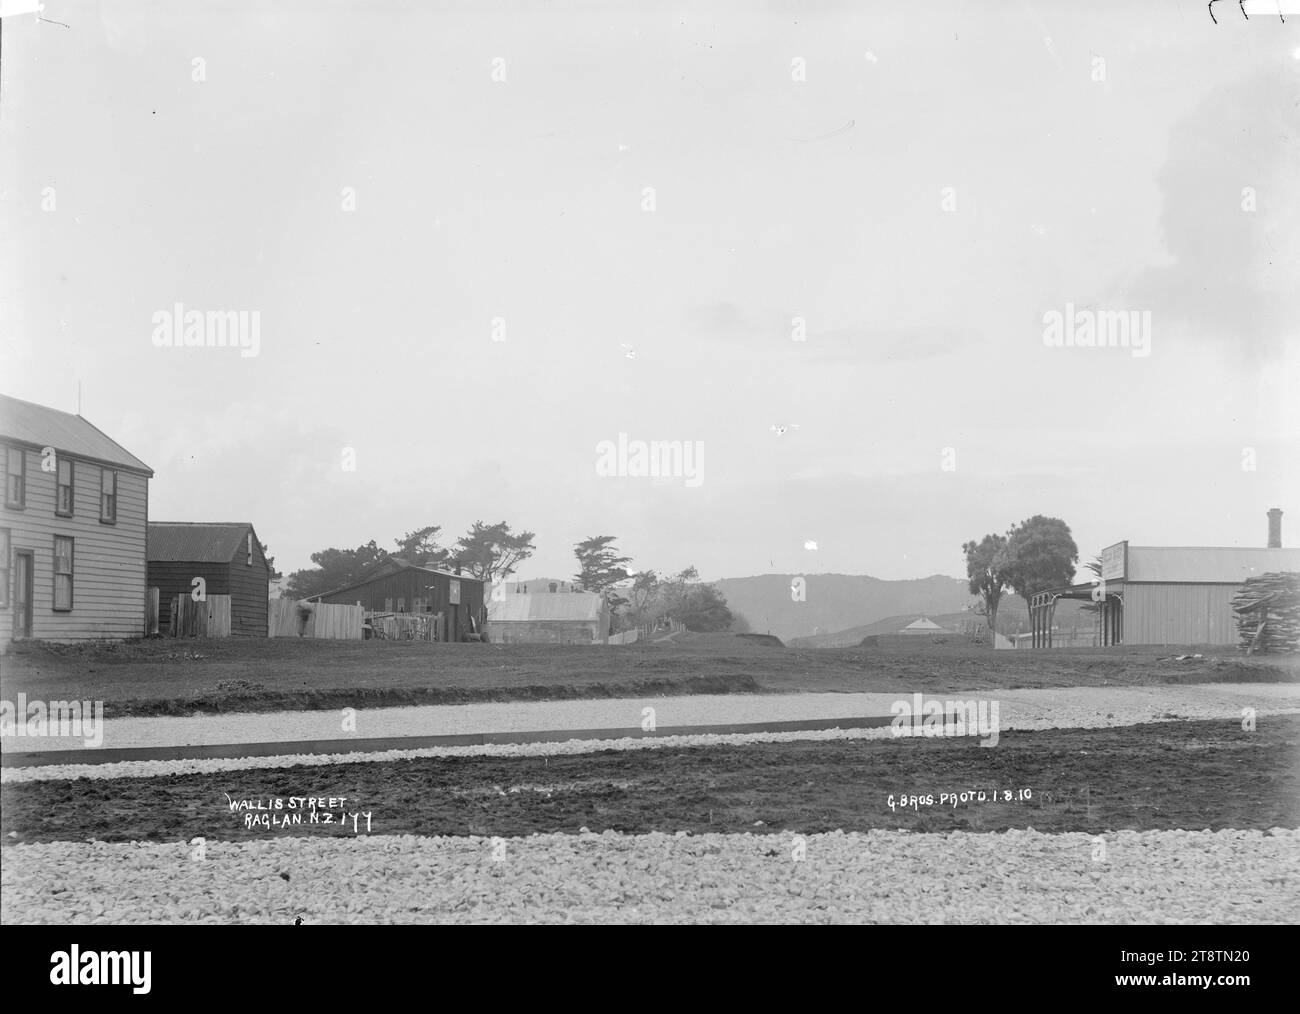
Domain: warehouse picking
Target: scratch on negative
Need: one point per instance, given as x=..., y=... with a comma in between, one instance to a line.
x=823, y=137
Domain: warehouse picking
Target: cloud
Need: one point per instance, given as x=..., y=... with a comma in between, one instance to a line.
x=1231, y=280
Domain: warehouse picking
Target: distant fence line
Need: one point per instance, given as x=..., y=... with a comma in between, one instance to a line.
x=660, y=627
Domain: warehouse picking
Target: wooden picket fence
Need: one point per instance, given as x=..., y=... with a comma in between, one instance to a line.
x=209, y=617
x=292, y=618
x=626, y=637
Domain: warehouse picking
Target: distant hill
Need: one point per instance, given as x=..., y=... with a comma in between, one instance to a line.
x=840, y=606
x=837, y=602
x=1011, y=615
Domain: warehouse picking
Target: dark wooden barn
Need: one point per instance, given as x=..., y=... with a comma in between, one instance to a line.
x=229, y=558
x=396, y=586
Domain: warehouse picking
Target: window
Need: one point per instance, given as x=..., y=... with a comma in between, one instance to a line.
x=388, y=605
x=4, y=568
x=250, y=550
x=419, y=605
x=15, y=477
x=62, y=573
x=107, y=494
x=401, y=605
x=63, y=502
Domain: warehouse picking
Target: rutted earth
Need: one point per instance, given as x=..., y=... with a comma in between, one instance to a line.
x=1020, y=876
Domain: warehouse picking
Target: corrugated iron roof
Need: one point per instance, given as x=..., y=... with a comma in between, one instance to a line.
x=1206, y=565
x=396, y=563
x=30, y=423
x=201, y=541
x=579, y=607
x=389, y=566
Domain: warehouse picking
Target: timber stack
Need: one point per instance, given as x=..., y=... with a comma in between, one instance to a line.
x=1268, y=613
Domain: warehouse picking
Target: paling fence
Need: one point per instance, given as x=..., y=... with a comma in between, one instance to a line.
x=208, y=617
x=329, y=621
x=408, y=626
x=626, y=637
x=659, y=628
x=151, y=599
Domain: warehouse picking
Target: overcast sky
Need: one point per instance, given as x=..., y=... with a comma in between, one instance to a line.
x=918, y=184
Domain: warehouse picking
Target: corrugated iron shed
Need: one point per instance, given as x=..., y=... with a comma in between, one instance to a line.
x=578, y=607
x=37, y=425
x=1206, y=565
x=201, y=541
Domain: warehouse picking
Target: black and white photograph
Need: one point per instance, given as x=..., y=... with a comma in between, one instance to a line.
x=744, y=462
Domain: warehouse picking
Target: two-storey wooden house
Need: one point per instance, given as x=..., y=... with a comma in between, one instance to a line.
x=73, y=529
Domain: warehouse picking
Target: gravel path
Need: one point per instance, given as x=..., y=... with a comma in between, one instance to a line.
x=881, y=876
x=1025, y=709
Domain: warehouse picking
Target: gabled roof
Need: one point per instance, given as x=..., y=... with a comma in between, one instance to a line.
x=198, y=541
x=578, y=607
x=29, y=423
x=390, y=565
x=393, y=564
x=923, y=624
x=1206, y=565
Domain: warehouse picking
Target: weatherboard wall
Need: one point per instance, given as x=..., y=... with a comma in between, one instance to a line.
x=108, y=587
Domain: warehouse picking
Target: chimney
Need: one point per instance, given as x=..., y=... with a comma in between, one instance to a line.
x=1275, y=529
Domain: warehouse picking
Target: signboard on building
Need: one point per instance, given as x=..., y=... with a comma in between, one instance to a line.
x=1113, y=559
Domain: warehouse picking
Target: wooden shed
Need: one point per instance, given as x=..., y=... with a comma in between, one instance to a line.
x=229, y=558
x=397, y=586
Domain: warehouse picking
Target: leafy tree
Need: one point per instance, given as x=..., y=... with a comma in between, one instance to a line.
x=984, y=571
x=645, y=588
x=674, y=590
x=703, y=609
x=335, y=568
x=492, y=552
x=600, y=567
x=421, y=548
x=1040, y=555
x=275, y=575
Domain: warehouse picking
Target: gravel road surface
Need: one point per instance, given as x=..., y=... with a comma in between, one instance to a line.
x=880, y=876
x=1070, y=707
